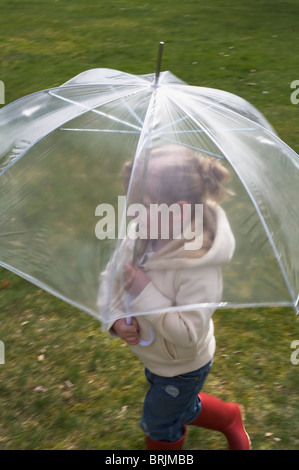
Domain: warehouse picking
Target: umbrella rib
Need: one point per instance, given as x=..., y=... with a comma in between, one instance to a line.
x=222, y=105
x=135, y=115
x=219, y=305
x=93, y=110
x=186, y=117
x=218, y=104
x=271, y=241
x=141, y=141
x=202, y=131
x=192, y=148
x=99, y=130
x=51, y=93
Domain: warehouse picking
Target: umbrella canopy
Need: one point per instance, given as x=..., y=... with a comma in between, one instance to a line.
x=63, y=199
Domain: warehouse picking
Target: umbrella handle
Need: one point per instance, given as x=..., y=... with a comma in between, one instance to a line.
x=142, y=342
x=128, y=322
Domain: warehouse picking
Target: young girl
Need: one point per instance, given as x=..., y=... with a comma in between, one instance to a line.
x=160, y=274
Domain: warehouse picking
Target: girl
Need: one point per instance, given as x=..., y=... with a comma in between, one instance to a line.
x=166, y=274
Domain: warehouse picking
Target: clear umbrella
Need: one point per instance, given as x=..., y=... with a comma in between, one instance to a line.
x=64, y=204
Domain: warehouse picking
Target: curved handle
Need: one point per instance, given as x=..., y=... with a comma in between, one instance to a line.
x=143, y=342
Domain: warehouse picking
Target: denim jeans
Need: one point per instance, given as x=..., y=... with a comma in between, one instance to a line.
x=171, y=402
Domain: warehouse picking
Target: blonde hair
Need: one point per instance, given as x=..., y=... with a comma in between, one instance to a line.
x=176, y=173
x=170, y=174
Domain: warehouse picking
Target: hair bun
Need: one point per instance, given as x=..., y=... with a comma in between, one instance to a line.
x=215, y=175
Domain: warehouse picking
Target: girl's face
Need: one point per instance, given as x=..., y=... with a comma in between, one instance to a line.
x=142, y=215
x=158, y=214
x=157, y=220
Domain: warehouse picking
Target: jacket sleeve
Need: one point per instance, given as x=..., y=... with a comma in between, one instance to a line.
x=111, y=294
x=186, y=325
x=116, y=307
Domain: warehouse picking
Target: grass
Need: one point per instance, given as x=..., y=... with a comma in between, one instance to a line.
x=65, y=384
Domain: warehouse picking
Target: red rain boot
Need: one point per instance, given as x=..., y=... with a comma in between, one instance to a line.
x=224, y=417
x=161, y=445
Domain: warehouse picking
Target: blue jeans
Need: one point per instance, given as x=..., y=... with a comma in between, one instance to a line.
x=171, y=402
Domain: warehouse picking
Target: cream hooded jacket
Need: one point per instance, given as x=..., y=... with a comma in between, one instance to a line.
x=183, y=337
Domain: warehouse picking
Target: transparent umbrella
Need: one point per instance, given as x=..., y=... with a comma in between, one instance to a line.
x=64, y=204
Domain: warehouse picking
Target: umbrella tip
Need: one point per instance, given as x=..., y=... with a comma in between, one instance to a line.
x=159, y=61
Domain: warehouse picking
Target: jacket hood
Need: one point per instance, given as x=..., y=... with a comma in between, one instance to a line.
x=216, y=248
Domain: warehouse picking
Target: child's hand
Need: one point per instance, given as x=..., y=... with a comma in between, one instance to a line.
x=129, y=333
x=135, y=280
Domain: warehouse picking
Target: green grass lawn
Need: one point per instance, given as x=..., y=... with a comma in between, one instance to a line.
x=65, y=384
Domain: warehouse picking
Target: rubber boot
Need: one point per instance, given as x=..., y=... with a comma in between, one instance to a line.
x=225, y=417
x=161, y=445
